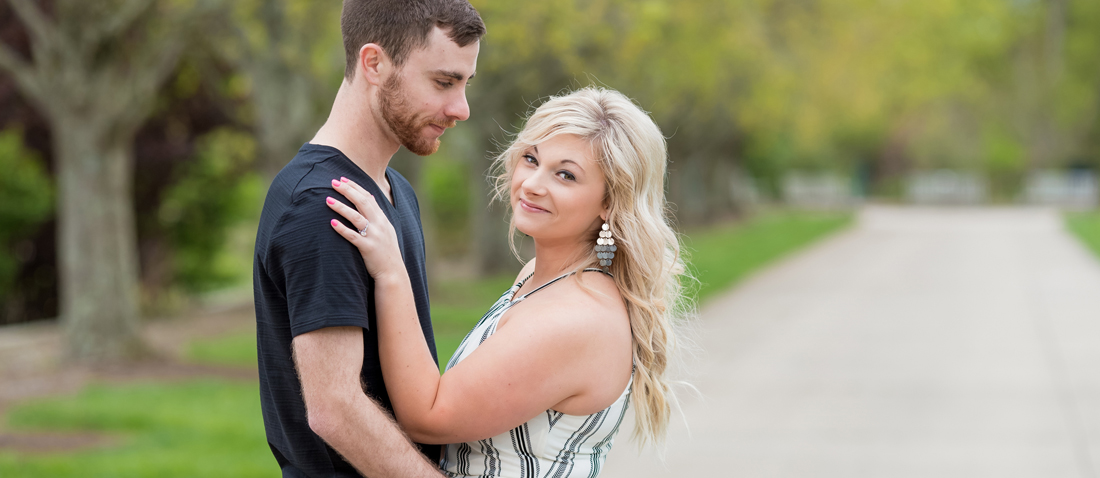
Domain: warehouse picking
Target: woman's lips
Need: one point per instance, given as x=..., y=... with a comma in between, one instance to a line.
x=530, y=207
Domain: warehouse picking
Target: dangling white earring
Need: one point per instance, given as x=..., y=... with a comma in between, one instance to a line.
x=605, y=247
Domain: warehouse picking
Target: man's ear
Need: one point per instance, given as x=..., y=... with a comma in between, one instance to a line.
x=374, y=63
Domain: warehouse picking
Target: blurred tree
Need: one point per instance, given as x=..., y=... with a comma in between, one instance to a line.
x=94, y=73
x=290, y=56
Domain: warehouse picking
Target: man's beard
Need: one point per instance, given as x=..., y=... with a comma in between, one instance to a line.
x=404, y=123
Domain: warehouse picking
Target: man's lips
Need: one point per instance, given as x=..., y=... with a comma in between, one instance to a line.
x=530, y=207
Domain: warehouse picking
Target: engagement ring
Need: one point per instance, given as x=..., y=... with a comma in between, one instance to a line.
x=363, y=231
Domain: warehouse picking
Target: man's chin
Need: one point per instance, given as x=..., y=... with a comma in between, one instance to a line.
x=424, y=147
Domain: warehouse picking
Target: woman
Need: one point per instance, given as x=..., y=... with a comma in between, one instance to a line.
x=541, y=384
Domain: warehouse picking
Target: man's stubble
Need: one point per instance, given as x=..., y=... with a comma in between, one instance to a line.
x=404, y=123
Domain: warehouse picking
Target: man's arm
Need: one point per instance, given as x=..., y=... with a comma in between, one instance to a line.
x=328, y=362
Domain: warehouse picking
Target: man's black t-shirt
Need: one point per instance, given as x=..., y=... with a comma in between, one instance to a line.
x=307, y=277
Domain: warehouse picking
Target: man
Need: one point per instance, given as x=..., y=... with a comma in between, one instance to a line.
x=324, y=402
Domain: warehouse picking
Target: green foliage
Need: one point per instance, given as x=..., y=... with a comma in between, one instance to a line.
x=1006, y=164
x=26, y=200
x=196, y=428
x=1086, y=226
x=216, y=191
x=448, y=191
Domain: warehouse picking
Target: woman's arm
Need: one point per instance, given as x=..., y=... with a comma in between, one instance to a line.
x=540, y=358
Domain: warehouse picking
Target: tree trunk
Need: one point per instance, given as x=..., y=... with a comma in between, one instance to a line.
x=97, y=242
x=285, y=116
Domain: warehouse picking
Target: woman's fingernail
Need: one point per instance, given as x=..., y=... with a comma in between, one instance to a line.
x=333, y=222
x=330, y=201
x=343, y=179
x=335, y=183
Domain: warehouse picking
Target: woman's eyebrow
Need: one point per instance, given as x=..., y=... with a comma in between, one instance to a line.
x=574, y=162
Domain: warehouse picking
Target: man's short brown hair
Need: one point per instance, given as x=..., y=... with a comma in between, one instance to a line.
x=403, y=26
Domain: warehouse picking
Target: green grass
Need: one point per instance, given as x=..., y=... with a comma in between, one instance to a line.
x=198, y=428
x=233, y=349
x=721, y=257
x=1086, y=226
x=213, y=428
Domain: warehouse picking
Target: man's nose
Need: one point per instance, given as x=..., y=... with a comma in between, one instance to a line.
x=458, y=108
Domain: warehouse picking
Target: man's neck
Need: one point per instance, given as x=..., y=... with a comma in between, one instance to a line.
x=353, y=129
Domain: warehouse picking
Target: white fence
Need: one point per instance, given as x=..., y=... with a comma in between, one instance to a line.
x=819, y=190
x=946, y=187
x=1065, y=189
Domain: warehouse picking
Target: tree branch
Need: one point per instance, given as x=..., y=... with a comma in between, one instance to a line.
x=26, y=76
x=122, y=19
x=42, y=32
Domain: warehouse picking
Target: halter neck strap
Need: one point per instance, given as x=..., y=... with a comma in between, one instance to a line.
x=558, y=278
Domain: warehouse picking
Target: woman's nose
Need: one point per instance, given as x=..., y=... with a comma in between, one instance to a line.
x=533, y=184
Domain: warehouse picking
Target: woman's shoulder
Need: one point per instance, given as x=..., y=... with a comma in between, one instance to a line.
x=585, y=300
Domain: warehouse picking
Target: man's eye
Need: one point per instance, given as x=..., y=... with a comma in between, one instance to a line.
x=444, y=84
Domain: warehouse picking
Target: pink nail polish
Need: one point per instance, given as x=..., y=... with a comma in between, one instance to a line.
x=343, y=179
x=335, y=183
x=333, y=223
x=330, y=201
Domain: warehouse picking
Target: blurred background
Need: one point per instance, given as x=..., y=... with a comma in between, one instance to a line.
x=138, y=137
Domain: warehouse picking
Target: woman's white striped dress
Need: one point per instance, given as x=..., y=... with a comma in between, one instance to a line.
x=551, y=444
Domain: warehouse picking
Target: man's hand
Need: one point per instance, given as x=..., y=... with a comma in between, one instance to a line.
x=329, y=362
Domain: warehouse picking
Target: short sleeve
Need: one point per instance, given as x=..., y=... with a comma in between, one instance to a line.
x=326, y=282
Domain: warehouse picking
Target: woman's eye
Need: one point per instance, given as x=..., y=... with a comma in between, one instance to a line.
x=566, y=175
x=530, y=159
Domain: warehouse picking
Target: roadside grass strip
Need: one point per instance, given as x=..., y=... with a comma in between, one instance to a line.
x=1086, y=226
x=720, y=257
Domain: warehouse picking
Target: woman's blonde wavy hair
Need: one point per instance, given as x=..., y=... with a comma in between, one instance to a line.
x=648, y=267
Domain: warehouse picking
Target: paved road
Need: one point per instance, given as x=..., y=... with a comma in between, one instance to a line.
x=921, y=343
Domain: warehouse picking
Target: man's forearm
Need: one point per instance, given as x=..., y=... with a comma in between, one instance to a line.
x=329, y=361
x=371, y=441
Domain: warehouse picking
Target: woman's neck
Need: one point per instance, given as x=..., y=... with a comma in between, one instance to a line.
x=554, y=258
